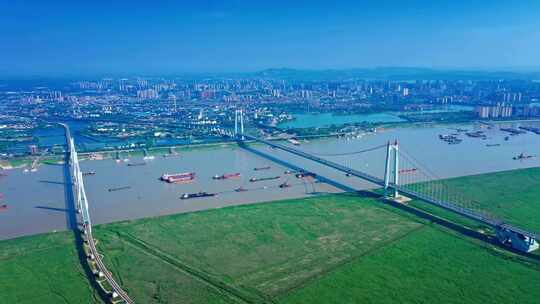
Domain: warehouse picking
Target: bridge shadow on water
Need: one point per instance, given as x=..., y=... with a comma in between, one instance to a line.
x=51, y=182
x=321, y=178
x=409, y=209
x=72, y=224
x=57, y=209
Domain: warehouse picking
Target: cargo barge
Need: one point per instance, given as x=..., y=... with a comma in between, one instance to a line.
x=284, y=185
x=226, y=176
x=305, y=175
x=513, y=131
x=531, y=129
x=240, y=189
x=136, y=164
x=522, y=156
x=261, y=168
x=196, y=195
x=254, y=179
x=119, y=188
x=477, y=134
x=178, y=178
x=89, y=173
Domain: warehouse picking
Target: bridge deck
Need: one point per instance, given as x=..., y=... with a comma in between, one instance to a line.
x=81, y=196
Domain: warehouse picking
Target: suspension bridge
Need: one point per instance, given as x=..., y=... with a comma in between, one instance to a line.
x=404, y=179
x=103, y=277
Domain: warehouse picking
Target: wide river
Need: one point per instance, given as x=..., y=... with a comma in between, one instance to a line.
x=37, y=200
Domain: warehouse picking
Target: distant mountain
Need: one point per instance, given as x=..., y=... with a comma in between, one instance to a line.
x=394, y=73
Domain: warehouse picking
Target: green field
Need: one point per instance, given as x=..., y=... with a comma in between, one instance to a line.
x=340, y=248
x=513, y=196
x=258, y=252
x=429, y=266
x=43, y=269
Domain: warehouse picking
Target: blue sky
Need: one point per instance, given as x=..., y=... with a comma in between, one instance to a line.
x=153, y=37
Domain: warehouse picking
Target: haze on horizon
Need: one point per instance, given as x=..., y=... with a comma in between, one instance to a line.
x=69, y=38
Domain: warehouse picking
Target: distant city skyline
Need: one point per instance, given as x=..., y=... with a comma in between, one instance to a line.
x=67, y=38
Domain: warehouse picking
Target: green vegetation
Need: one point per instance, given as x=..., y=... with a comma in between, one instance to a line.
x=429, y=266
x=43, y=269
x=510, y=195
x=258, y=252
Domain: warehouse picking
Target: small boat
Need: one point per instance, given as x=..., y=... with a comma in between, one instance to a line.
x=119, y=188
x=506, y=138
x=294, y=142
x=254, y=179
x=240, y=189
x=150, y=157
x=305, y=175
x=196, y=195
x=492, y=145
x=261, y=168
x=522, y=156
x=136, y=164
x=3, y=207
x=89, y=173
x=284, y=185
x=226, y=176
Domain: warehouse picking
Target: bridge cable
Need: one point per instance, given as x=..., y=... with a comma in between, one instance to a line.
x=347, y=153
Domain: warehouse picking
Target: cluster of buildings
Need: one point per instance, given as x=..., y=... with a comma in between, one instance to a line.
x=502, y=110
x=496, y=111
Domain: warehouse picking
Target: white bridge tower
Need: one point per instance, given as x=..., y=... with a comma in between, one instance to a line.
x=239, y=119
x=392, y=158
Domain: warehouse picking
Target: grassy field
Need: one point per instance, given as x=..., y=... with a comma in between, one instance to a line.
x=258, y=252
x=429, y=266
x=43, y=269
x=513, y=196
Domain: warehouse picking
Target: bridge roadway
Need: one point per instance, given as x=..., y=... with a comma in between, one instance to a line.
x=380, y=182
x=81, y=195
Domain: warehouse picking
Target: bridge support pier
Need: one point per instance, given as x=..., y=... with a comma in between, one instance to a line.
x=392, y=158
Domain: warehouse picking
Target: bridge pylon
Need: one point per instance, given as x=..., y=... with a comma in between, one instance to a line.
x=239, y=124
x=391, y=176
